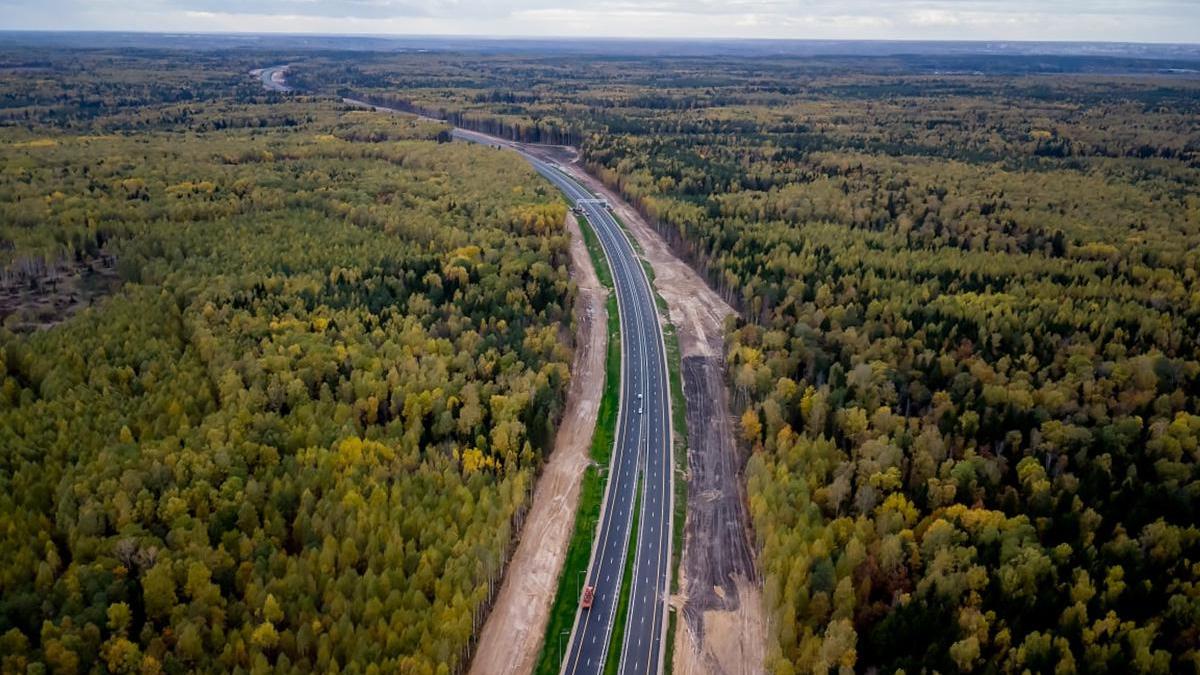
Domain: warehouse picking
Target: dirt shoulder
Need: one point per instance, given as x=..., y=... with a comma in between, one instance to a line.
x=512, y=635
x=723, y=630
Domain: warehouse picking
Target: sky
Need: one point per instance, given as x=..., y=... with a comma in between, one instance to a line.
x=1073, y=20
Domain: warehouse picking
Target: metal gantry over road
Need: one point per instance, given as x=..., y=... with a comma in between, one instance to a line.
x=641, y=469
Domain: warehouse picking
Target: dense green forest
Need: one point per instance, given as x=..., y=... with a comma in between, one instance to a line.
x=968, y=364
x=302, y=434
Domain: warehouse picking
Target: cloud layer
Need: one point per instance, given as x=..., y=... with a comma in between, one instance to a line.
x=1087, y=20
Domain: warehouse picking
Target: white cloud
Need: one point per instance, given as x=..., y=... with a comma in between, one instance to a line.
x=934, y=17
x=1118, y=20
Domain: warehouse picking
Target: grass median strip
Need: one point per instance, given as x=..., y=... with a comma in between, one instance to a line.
x=596, y=252
x=591, y=492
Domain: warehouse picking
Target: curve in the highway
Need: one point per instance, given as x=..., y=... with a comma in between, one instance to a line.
x=641, y=457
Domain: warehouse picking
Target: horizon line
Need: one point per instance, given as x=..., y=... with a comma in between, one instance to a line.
x=594, y=38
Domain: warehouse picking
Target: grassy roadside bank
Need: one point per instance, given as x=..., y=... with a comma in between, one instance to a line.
x=591, y=492
x=678, y=516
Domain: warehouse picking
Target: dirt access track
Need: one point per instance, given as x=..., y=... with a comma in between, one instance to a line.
x=512, y=635
x=724, y=629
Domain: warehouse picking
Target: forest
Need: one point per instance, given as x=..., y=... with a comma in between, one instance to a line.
x=299, y=430
x=966, y=369
x=312, y=357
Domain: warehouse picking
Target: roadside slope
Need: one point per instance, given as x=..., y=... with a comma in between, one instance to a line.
x=512, y=635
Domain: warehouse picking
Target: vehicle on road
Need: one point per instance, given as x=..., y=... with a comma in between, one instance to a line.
x=589, y=592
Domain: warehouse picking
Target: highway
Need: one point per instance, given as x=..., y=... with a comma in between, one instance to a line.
x=272, y=78
x=641, y=469
x=641, y=463
x=641, y=458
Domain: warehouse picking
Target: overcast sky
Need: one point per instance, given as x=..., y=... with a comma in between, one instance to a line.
x=1087, y=20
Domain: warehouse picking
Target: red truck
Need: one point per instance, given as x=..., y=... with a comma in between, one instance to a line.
x=588, y=593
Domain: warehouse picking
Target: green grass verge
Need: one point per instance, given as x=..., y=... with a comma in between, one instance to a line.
x=679, y=427
x=658, y=299
x=596, y=252
x=679, y=514
x=606, y=418
x=669, y=661
x=591, y=491
x=613, y=662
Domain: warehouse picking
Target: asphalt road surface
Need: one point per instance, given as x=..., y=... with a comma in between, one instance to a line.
x=273, y=82
x=641, y=464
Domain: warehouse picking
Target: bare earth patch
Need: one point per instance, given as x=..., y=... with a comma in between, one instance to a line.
x=512, y=635
x=725, y=647
x=723, y=628
x=36, y=301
